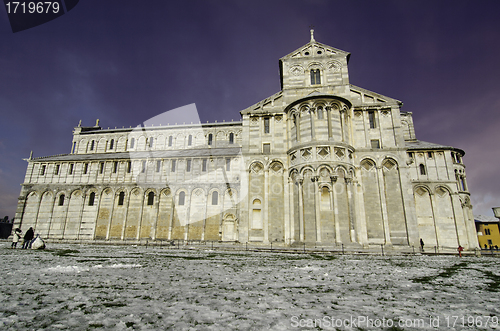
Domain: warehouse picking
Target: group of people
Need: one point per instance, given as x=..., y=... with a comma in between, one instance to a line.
x=459, y=249
x=27, y=239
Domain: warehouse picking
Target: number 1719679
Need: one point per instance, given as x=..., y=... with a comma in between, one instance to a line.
x=23, y=7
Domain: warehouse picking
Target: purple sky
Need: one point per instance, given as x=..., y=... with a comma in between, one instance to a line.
x=127, y=61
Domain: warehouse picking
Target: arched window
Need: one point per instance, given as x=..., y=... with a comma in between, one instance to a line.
x=170, y=140
x=231, y=138
x=151, y=198
x=121, y=198
x=182, y=198
x=190, y=140
x=210, y=137
x=91, y=199
x=111, y=144
x=256, y=215
x=61, y=200
x=325, y=199
x=422, y=169
x=132, y=142
x=320, y=113
x=92, y=145
x=315, y=77
x=215, y=198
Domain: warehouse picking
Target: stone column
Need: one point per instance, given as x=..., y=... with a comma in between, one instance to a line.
x=171, y=218
x=313, y=131
x=301, y=210
x=157, y=202
x=266, y=205
x=338, y=239
x=329, y=119
x=317, y=199
x=286, y=198
x=383, y=204
x=433, y=205
x=350, y=202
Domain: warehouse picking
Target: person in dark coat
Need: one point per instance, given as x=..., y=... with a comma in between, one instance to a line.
x=28, y=237
x=421, y=245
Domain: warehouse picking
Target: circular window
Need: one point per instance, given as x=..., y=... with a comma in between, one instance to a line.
x=319, y=52
x=306, y=53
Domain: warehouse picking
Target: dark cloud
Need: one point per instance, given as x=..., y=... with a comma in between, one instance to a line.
x=125, y=62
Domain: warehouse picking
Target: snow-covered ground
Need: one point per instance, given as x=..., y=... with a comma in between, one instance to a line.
x=137, y=288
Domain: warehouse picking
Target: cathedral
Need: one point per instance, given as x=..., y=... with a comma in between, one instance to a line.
x=322, y=162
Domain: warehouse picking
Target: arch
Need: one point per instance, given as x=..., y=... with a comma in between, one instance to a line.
x=442, y=188
x=307, y=168
x=341, y=171
x=367, y=164
x=276, y=166
x=256, y=167
x=389, y=163
x=418, y=189
x=324, y=170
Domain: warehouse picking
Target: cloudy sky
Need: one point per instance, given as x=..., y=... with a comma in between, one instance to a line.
x=126, y=61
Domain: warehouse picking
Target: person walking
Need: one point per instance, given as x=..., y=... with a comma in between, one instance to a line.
x=28, y=237
x=421, y=245
x=16, y=236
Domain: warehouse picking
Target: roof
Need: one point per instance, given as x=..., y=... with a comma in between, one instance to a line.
x=232, y=151
x=485, y=219
x=419, y=144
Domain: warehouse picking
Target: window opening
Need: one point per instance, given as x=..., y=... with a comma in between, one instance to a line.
x=215, y=198
x=173, y=165
x=190, y=140
x=188, y=165
x=422, y=169
x=61, y=200
x=204, y=165
x=231, y=138
x=71, y=166
x=266, y=125
x=371, y=118
x=315, y=77
x=91, y=199
x=151, y=198
x=210, y=137
x=121, y=197
x=112, y=144
x=182, y=198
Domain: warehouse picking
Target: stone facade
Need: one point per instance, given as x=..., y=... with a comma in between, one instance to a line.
x=321, y=162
